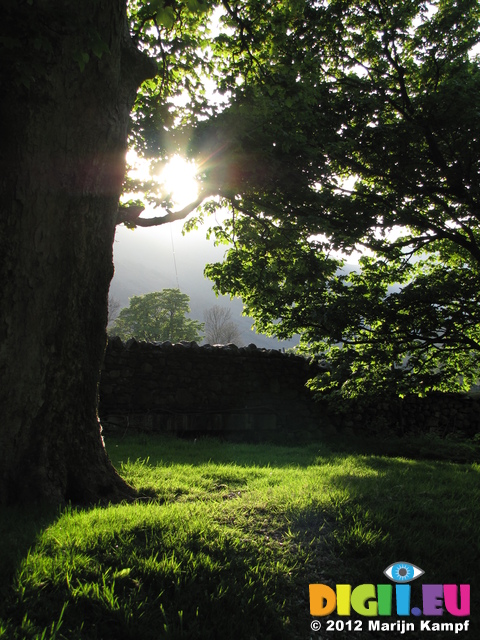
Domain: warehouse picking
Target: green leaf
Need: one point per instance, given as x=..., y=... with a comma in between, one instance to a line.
x=166, y=17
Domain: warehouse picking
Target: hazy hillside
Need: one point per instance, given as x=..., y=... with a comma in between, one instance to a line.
x=145, y=261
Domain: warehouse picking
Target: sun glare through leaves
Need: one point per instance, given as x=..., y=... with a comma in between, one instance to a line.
x=179, y=179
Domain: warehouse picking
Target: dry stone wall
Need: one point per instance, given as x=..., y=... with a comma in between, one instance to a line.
x=218, y=390
x=252, y=393
x=440, y=413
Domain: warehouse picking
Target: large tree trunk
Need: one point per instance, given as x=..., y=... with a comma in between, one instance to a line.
x=63, y=141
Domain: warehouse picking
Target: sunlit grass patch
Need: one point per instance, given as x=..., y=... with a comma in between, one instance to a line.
x=228, y=537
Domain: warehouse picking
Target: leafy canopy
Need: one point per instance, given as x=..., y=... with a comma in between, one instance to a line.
x=354, y=126
x=347, y=125
x=157, y=316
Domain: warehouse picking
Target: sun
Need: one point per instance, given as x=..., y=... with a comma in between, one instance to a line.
x=179, y=178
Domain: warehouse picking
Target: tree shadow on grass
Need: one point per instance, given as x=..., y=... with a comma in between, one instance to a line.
x=179, y=576
x=150, y=583
x=20, y=529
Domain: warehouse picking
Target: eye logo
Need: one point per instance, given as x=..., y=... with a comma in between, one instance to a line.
x=402, y=572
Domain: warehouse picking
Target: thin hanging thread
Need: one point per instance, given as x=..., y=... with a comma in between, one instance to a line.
x=174, y=258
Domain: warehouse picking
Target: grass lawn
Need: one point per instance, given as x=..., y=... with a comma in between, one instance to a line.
x=228, y=538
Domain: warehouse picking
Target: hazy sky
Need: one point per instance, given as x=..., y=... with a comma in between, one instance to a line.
x=145, y=261
x=156, y=258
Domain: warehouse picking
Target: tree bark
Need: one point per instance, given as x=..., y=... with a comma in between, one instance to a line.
x=67, y=91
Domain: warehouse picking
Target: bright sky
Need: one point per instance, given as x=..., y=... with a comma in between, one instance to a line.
x=178, y=178
x=173, y=259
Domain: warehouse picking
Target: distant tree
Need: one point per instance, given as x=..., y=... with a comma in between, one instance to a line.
x=160, y=315
x=219, y=326
x=113, y=308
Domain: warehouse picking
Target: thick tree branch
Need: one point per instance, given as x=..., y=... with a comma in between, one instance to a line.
x=130, y=215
